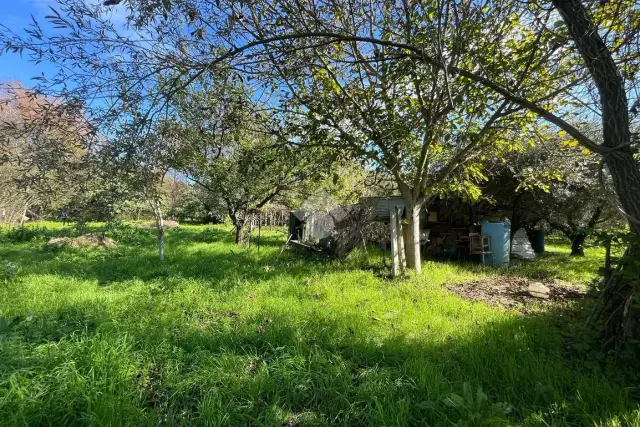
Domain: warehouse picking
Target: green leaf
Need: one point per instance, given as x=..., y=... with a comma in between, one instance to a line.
x=167, y=5
x=481, y=397
x=467, y=392
x=453, y=401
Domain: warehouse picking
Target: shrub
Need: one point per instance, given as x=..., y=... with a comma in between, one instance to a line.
x=24, y=234
x=127, y=234
x=8, y=271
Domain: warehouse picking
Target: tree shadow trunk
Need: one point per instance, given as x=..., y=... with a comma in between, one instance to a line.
x=577, y=244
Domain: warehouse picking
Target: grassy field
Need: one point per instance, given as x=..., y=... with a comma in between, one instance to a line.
x=219, y=335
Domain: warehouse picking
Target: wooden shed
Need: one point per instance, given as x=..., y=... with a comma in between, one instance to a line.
x=382, y=206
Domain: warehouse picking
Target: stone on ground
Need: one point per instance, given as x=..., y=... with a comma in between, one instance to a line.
x=538, y=290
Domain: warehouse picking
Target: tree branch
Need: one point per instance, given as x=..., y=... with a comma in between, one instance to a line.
x=419, y=54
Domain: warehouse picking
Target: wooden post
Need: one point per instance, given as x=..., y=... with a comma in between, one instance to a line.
x=311, y=225
x=305, y=228
x=401, y=253
x=606, y=270
x=157, y=210
x=395, y=256
x=259, y=227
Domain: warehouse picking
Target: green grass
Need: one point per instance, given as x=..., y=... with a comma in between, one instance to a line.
x=557, y=264
x=219, y=335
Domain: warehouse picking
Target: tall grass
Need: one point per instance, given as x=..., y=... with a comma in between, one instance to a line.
x=220, y=335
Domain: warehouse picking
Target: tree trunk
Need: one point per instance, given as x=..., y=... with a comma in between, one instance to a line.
x=157, y=210
x=622, y=166
x=515, y=215
x=412, y=237
x=577, y=244
x=240, y=235
x=577, y=237
x=615, y=109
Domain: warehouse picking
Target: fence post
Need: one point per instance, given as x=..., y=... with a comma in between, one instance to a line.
x=395, y=256
x=400, y=231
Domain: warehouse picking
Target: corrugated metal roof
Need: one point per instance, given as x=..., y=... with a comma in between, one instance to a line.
x=382, y=205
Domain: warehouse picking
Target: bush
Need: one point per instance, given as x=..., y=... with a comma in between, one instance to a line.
x=8, y=271
x=24, y=234
x=127, y=234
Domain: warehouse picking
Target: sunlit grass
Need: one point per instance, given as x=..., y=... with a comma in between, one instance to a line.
x=219, y=335
x=556, y=263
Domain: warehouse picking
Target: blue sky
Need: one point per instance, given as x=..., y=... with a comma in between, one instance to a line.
x=16, y=14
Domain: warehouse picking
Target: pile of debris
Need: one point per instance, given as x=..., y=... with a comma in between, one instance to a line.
x=516, y=292
x=336, y=231
x=355, y=228
x=88, y=240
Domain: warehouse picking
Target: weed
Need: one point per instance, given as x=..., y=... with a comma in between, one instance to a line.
x=8, y=271
x=474, y=409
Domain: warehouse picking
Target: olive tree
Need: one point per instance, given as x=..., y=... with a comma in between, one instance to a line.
x=237, y=152
x=399, y=73
x=551, y=181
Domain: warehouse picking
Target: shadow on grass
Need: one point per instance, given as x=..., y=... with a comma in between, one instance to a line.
x=269, y=236
x=32, y=233
x=189, y=367
x=208, y=255
x=165, y=354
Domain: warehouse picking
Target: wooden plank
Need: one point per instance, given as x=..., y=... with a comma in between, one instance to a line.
x=401, y=252
x=395, y=256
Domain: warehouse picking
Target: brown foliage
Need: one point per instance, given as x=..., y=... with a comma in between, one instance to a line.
x=42, y=147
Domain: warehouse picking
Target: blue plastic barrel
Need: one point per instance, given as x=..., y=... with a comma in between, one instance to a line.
x=500, y=234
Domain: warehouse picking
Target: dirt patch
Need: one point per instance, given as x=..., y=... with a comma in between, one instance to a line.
x=89, y=240
x=513, y=292
x=152, y=224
